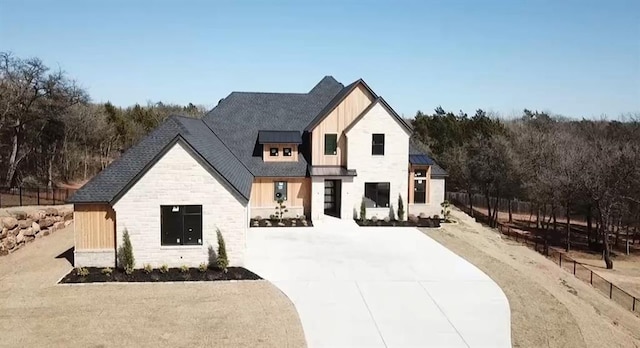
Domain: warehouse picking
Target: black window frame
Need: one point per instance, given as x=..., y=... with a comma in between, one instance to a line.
x=272, y=153
x=335, y=144
x=377, y=145
x=374, y=194
x=420, y=196
x=186, y=216
x=290, y=151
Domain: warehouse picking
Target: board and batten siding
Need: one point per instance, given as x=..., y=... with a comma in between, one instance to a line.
x=94, y=235
x=335, y=123
x=298, y=196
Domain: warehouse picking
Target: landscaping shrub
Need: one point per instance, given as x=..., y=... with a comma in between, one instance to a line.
x=223, y=261
x=107, y=271
x=400, y=208
x=164, y=268
x=203, y=267
x=280, y=210
x=363, y=210
x=446, y=211
x=386, y=219
x=184, y=269
x=413, y=218
x=83, y=272
x=126, y=260
x=147, y=268
x=392, y=213
x=374, y=219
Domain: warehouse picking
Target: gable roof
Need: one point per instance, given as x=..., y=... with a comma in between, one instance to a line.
x=238, y=119
x=344, y=92
x=381, y=101
x=109, y=185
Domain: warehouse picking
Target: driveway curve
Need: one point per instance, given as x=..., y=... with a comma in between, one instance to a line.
x=380, y=287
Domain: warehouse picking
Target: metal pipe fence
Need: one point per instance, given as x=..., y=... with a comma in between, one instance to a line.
x=22, y=196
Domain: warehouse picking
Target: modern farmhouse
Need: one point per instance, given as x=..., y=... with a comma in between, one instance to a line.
x=323, y=152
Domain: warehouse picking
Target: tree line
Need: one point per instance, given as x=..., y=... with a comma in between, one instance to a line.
x=51, y=132
x=585, y=167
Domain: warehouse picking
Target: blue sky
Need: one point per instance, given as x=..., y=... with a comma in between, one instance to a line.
x=570, y=57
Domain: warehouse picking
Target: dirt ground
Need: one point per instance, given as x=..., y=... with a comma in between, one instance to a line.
x=35, y=312
x=549, y=307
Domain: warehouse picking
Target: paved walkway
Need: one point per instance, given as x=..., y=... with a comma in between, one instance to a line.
x=380, y=287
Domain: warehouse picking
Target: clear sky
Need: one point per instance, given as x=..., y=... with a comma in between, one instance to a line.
x=578, y=58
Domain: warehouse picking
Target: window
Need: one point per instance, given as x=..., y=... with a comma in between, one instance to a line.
x=181, y=224
x=419, y=191
x=330, y=144
x=376, y=194
x=273, y=151
x=280, y=190
x=286, y=152
x=377, y=144
x=420, y=173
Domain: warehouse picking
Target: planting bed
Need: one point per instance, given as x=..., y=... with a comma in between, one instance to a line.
x=419, y=222
x=285, y=223
x=173, y=274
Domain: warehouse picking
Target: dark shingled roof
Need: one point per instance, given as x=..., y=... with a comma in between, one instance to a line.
x=279, y=137
x=114, y=180
x=238, y=118
x=420, y=159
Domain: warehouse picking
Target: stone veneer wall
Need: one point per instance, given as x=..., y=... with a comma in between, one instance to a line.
x=18, y=228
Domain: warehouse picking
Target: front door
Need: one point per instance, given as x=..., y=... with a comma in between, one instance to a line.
x=332, y=197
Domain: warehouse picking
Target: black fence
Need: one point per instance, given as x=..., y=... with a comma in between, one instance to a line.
x=21, y=196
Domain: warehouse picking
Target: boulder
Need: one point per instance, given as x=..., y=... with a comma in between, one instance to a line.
x=58, y=225
x=20, y=237
x=45, y=233
x=25, y=223
x=37, y=215
x=68, y=222
x=29, y=239
x=46, y=222
x=3, y=232
x=35, y=227
x=51, y=211
x=39, y=235
x=28, y=232
x=14, y=231
x=10, y=242
x=19, y=214
x=67, y=215
x=4, y=213
x=9, y=222
x=57, y=218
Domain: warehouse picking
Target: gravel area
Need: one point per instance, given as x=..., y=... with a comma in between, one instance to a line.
x=549, y=307
x=35, y=312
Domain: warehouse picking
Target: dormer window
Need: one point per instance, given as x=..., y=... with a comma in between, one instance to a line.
x=273, y=151
x=286, y=152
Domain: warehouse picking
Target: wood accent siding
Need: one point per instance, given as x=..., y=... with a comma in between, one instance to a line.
x=412, y=169
x=266, y=154
x=335, y=123
x=94, y=226
x=298, y=192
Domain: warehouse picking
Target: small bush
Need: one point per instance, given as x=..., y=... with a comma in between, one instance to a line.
x=446, y=211
x=412, y=218
x=147, y=268
x=184, y=269
x=363, y=210
x=374, y=219
x=126, y=260
x=423, y=215
x=258, y=217
x=400, y=208
x=387, y=219
x=392, y=213
x=107, y=271
x=202, y=268
x=436, y=217
x=164, y=268
x=223, y=261
x=302, y=217
x=83, y=272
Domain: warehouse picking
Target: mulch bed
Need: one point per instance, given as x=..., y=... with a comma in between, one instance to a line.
x=172, y=275
x=285, y=223
x=420, y=222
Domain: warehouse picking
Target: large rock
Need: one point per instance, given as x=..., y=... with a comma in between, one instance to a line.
x=14, y=231
x=28, y=232
x=25, y=223
x=51, y=211
x=35, y=227
x=46, y=222
x=37, y=215
x=19, y=214
x=9, y=222
x=20, y=237
x=68, y=222
x=3, y=232
x=10, y=242
x=67, y=215
x=58, y=225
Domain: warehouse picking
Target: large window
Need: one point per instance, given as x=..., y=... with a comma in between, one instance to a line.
x=330, y=144
x=376, y=194
x=181, y=224
x=377, y=144
x=420, y=186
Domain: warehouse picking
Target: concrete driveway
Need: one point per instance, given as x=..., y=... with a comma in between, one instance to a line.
x=380, y=287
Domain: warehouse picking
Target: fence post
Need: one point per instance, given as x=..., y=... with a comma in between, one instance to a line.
x=20, y=191
x=591, y=279
x=66, y=195
x=633, y=308
x=53, y=195
x=574, y=267
x=38, y=194
x=560, y=260
x=610, y=290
